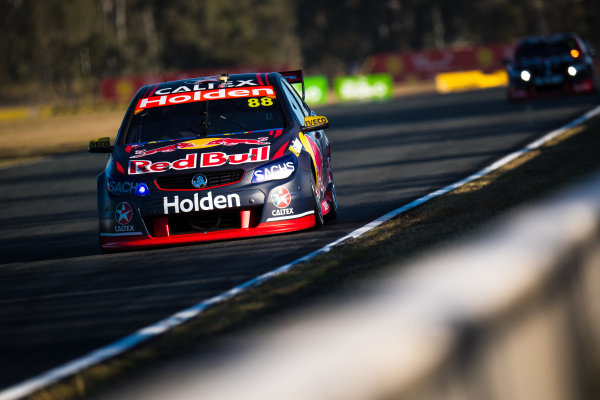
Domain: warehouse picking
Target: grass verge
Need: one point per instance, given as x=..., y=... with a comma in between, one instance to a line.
x=21, y=139
x=36, y=131
x=566, y=159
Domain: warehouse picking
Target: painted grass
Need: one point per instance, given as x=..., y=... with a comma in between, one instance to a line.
x=566, y=159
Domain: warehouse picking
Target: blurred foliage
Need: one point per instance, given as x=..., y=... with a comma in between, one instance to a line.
x=61, y=48
x=336, y=36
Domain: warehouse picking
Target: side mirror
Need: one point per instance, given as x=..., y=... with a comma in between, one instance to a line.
x=315, y=123
x=100, y=145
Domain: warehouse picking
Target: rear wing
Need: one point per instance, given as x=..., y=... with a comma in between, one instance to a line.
x=296, y=76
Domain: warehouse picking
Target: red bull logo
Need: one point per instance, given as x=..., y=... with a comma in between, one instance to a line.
x=211, y=159
x=200, y=143
x=147, y=166
x=218, y=158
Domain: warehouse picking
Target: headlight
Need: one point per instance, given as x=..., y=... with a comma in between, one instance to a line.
x=572, y=71
x=281, y=168
x=525, y=75
x=142, y=189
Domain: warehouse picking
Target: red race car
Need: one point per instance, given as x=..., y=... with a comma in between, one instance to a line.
x=214, y=158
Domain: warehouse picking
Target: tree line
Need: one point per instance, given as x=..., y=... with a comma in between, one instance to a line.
x=63, y=48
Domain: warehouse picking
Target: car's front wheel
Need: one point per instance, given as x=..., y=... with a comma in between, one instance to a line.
x=319, y=220
x=333, y=212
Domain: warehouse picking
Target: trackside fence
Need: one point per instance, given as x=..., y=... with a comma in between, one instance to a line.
x=512, y=312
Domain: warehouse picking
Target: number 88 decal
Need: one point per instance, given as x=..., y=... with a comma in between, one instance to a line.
x=264, y=101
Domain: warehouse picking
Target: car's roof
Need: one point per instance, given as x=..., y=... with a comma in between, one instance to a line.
x=558, y=37
x=262, y=78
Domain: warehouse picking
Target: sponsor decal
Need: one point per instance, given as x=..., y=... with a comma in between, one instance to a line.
x=296, y=147
x=119, y=187
x=124, y=228
x=212, y=159
x=282, y=211
x=325, y=206
x=287, y=217
x=281, y=197
x=167, y=96
x=200, y=143
x=123, y=213
x=275, y=170
x=146, y=166
x=314, y=121
x=218, y=158
x=100, y=143
x=197, y=203
x=210, y=83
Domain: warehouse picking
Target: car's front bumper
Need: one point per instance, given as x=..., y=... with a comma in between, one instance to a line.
x=115, y=241
x=521, y=90
x=234, y=211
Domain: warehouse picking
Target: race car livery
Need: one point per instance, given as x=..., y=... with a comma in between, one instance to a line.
x=550, y=65
x=215, y=158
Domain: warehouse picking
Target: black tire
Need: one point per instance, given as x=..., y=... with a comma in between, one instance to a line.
x=319, y=220
x=332, y=214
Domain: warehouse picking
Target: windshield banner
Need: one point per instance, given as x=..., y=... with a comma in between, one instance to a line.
x=204, y=95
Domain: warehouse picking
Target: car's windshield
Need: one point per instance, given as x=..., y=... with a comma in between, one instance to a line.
x=560, y=49
x=204, y=118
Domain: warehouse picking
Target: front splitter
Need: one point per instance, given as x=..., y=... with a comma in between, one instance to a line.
x=266, y=228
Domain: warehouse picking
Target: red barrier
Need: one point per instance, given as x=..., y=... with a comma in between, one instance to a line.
x=424, y=65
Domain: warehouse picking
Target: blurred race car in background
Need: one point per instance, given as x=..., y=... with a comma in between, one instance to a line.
x=214, y=158
x=553, y=64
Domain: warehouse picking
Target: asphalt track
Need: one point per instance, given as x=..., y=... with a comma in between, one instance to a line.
x=60, y=297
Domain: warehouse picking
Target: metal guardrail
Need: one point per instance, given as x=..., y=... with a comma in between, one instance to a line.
x=512, y=312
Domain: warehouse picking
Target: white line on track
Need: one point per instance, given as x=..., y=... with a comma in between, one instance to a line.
x=120, y=346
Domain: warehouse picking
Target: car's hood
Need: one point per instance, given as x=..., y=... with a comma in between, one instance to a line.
x=548, y=62
x=241, y=150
